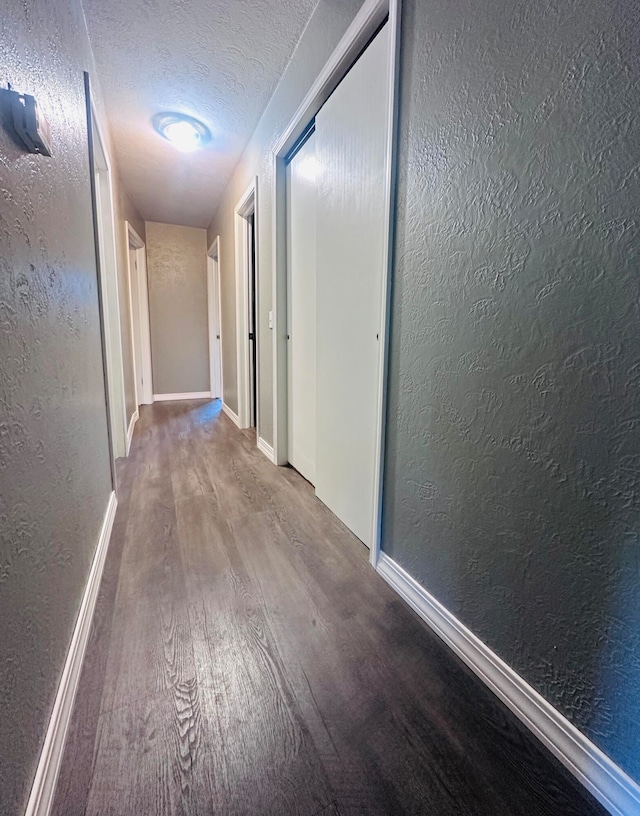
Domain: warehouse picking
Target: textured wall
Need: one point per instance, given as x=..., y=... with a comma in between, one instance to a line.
x=125, y=211
x=512, y=486
x=330, y=20
x=54, y=462
x=177, y=273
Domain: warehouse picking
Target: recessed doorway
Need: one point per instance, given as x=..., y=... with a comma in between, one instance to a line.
x=215, y=321
x=104, y=223
x=247, y=296
x=139, y=311
x=352, y=110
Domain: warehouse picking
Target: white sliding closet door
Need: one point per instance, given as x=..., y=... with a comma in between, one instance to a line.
x=351, y=149
x=301, y=298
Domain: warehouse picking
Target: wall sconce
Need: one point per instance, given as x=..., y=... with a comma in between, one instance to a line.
x=29, y=123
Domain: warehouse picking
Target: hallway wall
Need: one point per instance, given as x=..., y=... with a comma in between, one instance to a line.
x=512, y=486
x=328, y=23
x=177, y=272
x=54, y=461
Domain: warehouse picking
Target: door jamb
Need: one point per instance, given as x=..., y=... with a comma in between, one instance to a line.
x=247, y=204
x=144, y=328
x=215, y=315
x=364, y=26
x=110, y=295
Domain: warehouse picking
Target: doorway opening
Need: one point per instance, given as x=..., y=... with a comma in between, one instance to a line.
x=215, y=320
x=105, y=238
x=247, y=312
x=353, y=169
x=253, y=323
x=302, y=306
x=139, y=312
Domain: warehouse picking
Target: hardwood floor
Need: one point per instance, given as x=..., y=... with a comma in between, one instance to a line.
x=246, y=659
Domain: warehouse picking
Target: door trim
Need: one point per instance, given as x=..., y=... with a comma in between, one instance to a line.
x=107, y=270
x=364, y=26
x=215, y=317
x=143, y=333
x=185, y=395
x=247, y=205
x=135, y=416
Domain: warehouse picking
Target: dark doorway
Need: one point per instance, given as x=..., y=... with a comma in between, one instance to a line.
x=253, y=320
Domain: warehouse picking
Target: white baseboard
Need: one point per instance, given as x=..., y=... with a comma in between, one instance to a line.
x=610, y=785
x=266, y=448
x=132, y=425
x=44, y=784
x=187, y=396
x=231, y=414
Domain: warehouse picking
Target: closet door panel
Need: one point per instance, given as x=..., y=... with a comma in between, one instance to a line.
x=301, y=298
x=351, y=149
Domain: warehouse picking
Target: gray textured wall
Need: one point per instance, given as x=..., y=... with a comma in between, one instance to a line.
x=54, y=462
x=328, y=23
x=512, y=486
x=177, y=274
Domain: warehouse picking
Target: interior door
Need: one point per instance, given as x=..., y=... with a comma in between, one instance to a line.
x=136, y=318
x=301, y=308
x=351, y=150
x=214, y=328
x=253, y=328
x=215, y=356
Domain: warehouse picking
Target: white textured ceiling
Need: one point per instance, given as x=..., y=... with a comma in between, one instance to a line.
x=217, y=60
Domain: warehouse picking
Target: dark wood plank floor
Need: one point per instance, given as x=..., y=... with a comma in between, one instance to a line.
x=246, y=659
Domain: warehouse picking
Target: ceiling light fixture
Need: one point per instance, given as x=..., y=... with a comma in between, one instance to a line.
x=184, y=132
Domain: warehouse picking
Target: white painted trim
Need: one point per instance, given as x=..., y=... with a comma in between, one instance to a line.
x=256, y=328
x=44, y=784
x=109, y=285
x=129, y=238
x=134, y=418
x=231, y=414
x=387, y=272
x=362, y=28
x=144, y=330
x=371, y=15
x=247, y=204
x=211, y=329
x=266, y=448
x=145, y=326
x=189, y=395
x=136, y=240
x=610, y=785
x=279, y=306
x=214, y=312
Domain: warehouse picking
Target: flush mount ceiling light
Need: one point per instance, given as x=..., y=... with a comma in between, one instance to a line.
x=184, y=132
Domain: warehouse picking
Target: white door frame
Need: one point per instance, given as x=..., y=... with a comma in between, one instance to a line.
x=140, y=334
x=247, y=205
x=301, y=444
x=215, y=320
x=364, y=26
x=110, y=296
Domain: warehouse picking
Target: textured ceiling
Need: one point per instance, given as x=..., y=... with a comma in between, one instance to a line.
x=217, y=60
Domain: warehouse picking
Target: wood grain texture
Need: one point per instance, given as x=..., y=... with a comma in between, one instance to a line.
x=245, y=659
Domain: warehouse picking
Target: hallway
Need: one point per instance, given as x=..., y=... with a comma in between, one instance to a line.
x=246, y=659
